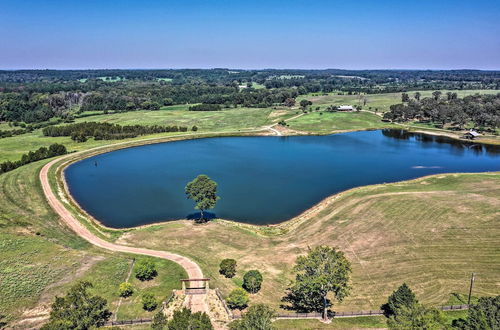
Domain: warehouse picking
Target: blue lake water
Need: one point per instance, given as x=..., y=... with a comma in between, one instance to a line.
x=261, y=180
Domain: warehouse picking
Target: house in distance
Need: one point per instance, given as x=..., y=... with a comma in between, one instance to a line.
x=345, y=108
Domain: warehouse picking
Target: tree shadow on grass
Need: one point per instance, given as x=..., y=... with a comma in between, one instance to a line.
x=207, y=216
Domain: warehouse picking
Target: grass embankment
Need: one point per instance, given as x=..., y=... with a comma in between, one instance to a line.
x=41, y=258
x=431, y=233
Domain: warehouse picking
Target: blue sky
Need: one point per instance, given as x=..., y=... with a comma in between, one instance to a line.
x=414, y=34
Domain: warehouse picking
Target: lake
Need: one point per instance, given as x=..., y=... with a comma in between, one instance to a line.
x=261, y=180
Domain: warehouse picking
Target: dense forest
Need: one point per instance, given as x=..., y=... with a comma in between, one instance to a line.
x=483, y=111
x=34, y=96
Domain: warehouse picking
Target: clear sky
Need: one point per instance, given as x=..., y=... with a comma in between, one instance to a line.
x=404, y=34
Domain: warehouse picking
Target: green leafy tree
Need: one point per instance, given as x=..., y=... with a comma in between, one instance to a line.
x=258, y=317
x=402, y=297
x=159, y=321
x=125, y=289
x=186, y=320
x=228, y=267
x=417, y=317
x=252, y=281
x=145, y=270
x=78, y=309
x=323, y=271
x=417, y=96
x=305, y=103
x=485, y=315
x=149, y=302
x=203, y=191
x=238, y=299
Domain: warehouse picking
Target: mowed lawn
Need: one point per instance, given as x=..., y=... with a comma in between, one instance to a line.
x=382, y=101
x=326, y=122
x=430, y=233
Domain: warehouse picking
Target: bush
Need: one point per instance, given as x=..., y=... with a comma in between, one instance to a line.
x=184, y=319
x=257, y=317
x=238, y=299
x=228, y=267
x=149, y=302
x=402, y=297
x=145, y=270
x=125, y=289
x=159, y=321
x=252, y=281
x=194, y=128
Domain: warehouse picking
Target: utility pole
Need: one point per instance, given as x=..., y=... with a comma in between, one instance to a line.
x=470, y=289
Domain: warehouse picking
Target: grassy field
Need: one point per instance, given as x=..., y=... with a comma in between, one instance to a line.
x=382, y=102
x=364, y=322
x=41, y=258
x=431, y=233
x=326, y=122
x=12, y=148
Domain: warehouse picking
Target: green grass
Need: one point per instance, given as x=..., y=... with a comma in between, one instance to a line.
x=325, y=122
x=107, y=275
x=364, y=322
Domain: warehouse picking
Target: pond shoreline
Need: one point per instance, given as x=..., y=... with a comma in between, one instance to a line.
x=63, y=190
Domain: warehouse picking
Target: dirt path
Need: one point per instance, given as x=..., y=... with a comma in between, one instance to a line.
x=191, y=268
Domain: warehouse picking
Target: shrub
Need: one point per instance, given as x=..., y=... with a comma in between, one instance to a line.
x=159, y=321
x=402, y=297
x=252, y=281
x=228, y=267
x=257, y=317
x=205, y=107
x=194, y=128
x=184, y=319
x=238, y=299
x=125, y=289
x=145, y=270
x=149, y=302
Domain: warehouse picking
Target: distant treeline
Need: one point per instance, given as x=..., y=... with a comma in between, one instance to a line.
x=205, y=107
x=38, y=95
x=105, y=131
x=26, y=128
x=33, y=156
x=482, y=110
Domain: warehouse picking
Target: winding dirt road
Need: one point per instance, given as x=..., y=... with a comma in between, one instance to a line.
x=197, y=302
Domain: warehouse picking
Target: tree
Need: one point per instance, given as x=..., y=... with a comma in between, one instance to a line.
x=402, y=297
x=228, y=267
x=145, y=270
x=125, y=289
x=237, y=299
x=417, y=317
x=323, y=271
x=159, y=321
x=203, y=191
x=258, y=317
x=483, y=315
x=252, y=281
x=436, y=95
x=417, y=96
x=305, y=103
x=405, y=97
x=78, y=309
x=186, y=320
x=149, y=302
x=289, y=102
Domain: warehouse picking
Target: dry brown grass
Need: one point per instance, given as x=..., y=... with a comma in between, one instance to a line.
x=431, y=233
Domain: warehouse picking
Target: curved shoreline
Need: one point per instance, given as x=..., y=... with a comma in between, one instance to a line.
x=97, y=224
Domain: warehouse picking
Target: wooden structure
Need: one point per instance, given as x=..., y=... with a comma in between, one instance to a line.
x=195, y=285
x=471, y=135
